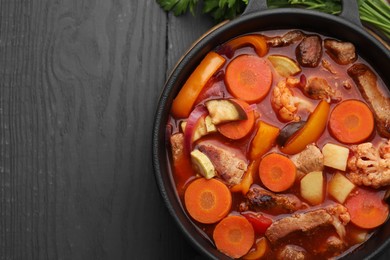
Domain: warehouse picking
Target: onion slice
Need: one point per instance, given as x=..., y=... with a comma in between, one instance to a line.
x=252, y=107
x=200, y=112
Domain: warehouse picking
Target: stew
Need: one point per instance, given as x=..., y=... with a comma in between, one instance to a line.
x=279, y=147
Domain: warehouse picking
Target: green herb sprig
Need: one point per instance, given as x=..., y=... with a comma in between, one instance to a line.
x=373, y=12
x=218, y=9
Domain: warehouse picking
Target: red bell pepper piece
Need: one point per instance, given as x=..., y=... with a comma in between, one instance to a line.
x=259, y=222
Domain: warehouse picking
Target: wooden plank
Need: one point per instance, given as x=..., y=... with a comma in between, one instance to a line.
x=78, y=95
x=182, y=31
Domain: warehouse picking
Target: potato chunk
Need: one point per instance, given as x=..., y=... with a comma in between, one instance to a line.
x=335, y=156
x=312, y=187
x=339, y=187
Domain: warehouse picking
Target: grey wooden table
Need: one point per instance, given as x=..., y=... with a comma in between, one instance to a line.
x=79, y=83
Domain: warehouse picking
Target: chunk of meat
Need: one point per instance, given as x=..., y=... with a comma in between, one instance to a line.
x=333, y=246
x=341, y=52
x=291, y=252
x=261, y=199
x=309, y=160
x=369, y=165
x=177, y=146
x=319, y=88
x=229, y=164
x=336, y=215
x=285, y=103
x=298, y=222
x=181, y=161
x=326, y=65
x=347, y=84
x=366, y=81
x=287, y=39
x=309, y=51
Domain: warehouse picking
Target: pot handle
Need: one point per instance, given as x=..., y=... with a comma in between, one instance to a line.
x=255, y=5
x=350, y=9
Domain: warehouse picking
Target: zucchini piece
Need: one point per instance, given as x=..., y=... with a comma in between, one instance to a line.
x=225, y=110
x=202, y=164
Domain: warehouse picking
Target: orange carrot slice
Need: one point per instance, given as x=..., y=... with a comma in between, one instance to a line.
x=234, y=236
x=207, y=201
x=367, y=209
x=351, y=121
x=277, y=172
x=249, y=78
x=184, y=101
x=238, y=129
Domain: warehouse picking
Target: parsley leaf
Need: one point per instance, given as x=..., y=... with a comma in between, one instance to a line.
x=328, y=6
x=178, y=7
x=373, y=12
x=218, y=9
x=224, y=9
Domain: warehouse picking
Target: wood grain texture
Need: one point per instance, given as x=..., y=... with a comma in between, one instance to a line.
x=79, y=84
x=80, y=81
x=183, y=31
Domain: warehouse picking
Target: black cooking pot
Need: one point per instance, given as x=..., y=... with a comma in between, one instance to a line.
x=257, y=18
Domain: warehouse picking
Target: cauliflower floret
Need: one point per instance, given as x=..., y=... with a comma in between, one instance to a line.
x=340, y=212
x=384, y=150
x=340, y=218
x=370, y=166
x=285, y=103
